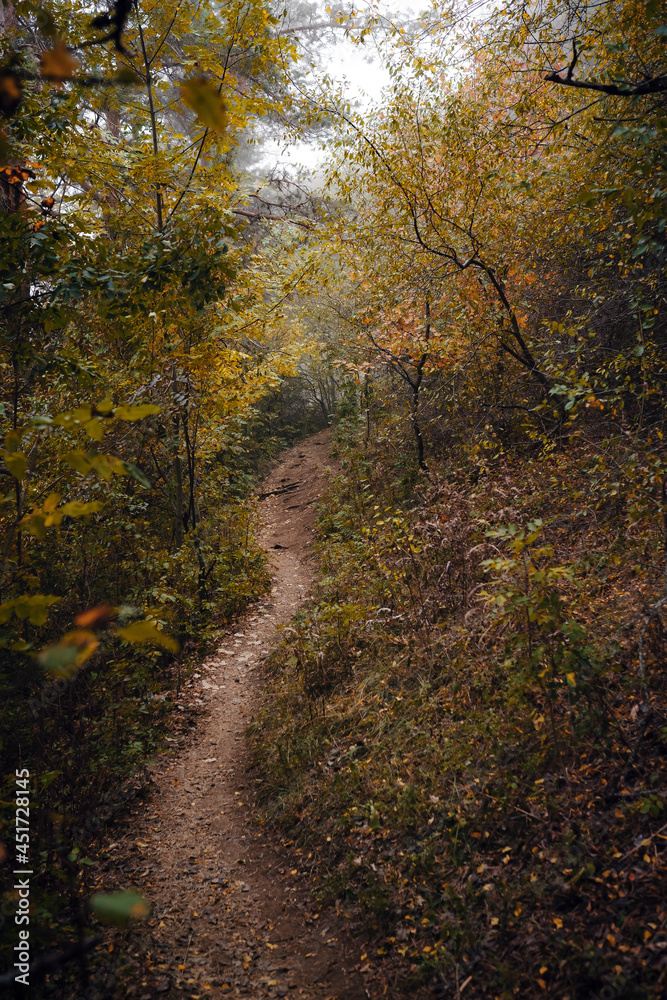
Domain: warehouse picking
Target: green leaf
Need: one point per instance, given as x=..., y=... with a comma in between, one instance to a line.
x=128, y=78
x=118, y=908
x=59, y=660
x=138, y=474
x=65, y=657
x=203, y=98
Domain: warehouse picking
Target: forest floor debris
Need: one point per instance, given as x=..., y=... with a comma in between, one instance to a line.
x=494, y=833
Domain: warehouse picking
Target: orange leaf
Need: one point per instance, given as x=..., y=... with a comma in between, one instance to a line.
x=11, y=91
x=57, y=64
x=94, y=617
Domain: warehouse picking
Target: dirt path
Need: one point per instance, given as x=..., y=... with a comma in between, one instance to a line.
x=229, y=918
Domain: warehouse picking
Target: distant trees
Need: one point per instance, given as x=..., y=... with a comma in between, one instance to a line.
x=532, y=214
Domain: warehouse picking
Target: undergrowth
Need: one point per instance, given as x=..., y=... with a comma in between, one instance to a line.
x=461, y=743
x=87, y=737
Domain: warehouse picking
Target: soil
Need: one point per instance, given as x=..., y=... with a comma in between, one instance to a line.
x=229, y=918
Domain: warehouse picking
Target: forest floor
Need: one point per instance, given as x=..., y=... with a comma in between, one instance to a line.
x=228, y=916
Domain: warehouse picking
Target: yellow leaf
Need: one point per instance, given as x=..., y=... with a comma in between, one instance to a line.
x=94, y=429
x=135, y=412
x=36, y=524
x=571, y=680
x=78, y=416
x=35, y=608
x=79, y=461
x=103, y=466
x=57, y=64
x=75, y=508
x=148, y=632
x=117, y=465
x=12, y=441
x=203, y=98
x=17, y=463
x=104, y=407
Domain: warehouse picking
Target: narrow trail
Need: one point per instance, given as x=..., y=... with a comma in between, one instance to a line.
x=229, y=917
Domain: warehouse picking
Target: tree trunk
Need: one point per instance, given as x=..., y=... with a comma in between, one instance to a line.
x=177, y=468
x=414, y=417
x=416, y=386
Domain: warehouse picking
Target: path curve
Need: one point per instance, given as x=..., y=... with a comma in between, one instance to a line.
x=229, y=918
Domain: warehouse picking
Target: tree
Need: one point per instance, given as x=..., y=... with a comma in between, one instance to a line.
x=123, y=378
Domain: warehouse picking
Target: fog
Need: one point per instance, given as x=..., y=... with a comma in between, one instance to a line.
x=358, y=69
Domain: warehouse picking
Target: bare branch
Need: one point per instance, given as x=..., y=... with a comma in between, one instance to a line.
x=655, y=85
x=273, y=218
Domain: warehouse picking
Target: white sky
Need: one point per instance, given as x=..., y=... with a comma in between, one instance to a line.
x=364, y=78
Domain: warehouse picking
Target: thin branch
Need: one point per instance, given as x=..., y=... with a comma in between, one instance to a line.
x=273, y=218
x=655, y=85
